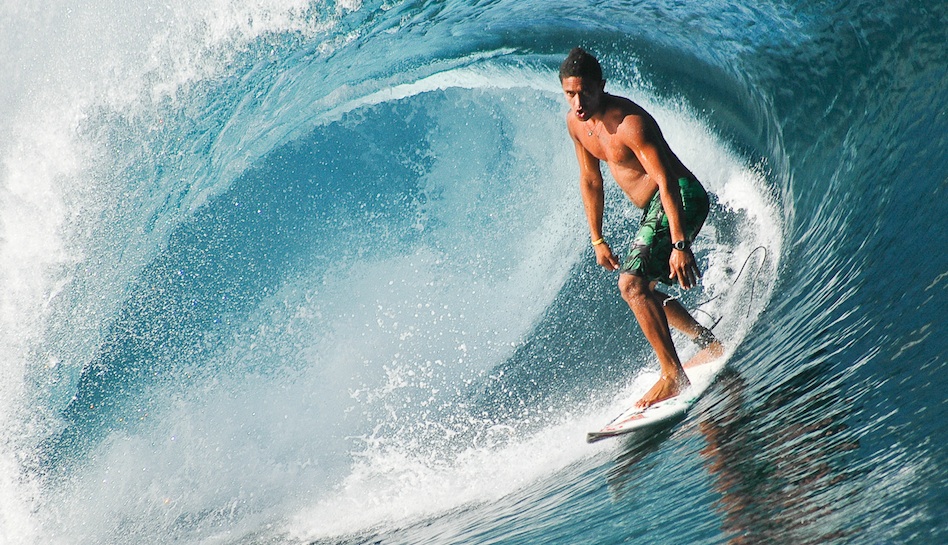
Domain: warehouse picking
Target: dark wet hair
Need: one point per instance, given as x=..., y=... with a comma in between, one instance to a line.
x=580, y=64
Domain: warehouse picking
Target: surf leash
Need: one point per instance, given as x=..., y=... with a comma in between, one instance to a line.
x=737, y=278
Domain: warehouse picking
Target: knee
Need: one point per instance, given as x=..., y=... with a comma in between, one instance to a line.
x=632, y=287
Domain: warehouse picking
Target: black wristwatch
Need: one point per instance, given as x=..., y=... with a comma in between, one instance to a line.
x=682, y=245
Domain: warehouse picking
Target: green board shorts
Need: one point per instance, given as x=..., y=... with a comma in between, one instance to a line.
x=652, y=247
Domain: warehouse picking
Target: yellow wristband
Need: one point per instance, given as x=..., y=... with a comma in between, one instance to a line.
x=598, y=242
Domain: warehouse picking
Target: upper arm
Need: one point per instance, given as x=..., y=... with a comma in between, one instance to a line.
x=589, y=168
x=642, y=139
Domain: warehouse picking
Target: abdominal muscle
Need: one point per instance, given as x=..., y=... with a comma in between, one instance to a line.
x=638, y=186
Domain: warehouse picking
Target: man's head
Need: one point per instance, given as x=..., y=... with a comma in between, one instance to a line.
x=581, y=78
x=580, y=64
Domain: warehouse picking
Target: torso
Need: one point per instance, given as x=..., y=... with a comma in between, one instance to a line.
x=625, y=167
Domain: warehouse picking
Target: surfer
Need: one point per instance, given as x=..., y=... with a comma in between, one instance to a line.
x=614, y=129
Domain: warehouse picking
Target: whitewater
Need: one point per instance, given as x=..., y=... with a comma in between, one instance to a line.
x=318, y=272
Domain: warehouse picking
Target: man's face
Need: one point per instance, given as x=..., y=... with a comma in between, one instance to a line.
x=584, y=96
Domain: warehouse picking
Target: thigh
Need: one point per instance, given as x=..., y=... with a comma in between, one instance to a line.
x=648, y=255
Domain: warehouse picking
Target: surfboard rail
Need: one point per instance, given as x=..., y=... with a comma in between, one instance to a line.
x=666, y=412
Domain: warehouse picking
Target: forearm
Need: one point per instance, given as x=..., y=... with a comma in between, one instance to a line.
x=593, y=203
x=670, y=193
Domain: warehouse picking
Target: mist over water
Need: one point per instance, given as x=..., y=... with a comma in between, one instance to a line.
x=318, y=272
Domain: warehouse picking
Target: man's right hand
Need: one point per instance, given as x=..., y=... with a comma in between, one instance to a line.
x=605, y=257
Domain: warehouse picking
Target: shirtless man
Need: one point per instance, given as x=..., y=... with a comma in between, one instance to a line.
x=618, y=131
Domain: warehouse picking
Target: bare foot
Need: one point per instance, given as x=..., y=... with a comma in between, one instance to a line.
x=665, y=388
x=709, y=353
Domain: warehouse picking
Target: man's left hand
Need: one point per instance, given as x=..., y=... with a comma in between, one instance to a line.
x=684, y=268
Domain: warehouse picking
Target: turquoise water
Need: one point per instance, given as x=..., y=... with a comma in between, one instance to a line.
x=290, y=272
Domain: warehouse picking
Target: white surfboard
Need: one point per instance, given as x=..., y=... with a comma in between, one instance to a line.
x=664, y=412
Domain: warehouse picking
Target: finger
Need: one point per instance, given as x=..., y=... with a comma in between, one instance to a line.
x=689, y=278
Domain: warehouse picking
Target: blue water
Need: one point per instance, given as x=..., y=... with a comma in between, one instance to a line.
x=290, y=272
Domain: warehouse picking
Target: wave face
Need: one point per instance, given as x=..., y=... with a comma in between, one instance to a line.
x=318, y=272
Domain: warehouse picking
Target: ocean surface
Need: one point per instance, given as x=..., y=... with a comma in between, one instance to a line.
x=290, y=272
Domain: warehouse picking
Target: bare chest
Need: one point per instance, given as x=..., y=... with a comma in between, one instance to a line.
x=624, y=166
x=607, y=147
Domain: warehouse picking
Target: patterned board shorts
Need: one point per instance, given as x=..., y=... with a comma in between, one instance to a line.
x=648, y=257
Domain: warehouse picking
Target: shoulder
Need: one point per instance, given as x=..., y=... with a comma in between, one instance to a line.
x=634, y=122
x=627, y=112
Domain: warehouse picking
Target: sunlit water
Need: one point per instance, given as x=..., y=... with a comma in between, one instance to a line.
x=319, y=273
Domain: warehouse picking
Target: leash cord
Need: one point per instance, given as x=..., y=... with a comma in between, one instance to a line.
x=740, y=273
x=753, y=285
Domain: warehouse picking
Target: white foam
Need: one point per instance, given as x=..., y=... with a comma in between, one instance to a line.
x=393, y=487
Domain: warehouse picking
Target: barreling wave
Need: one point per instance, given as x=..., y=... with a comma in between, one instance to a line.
x=319, y=271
